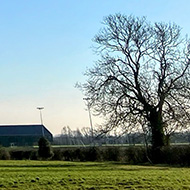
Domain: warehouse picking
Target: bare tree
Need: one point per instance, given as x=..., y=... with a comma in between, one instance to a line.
x=66, y=135
x=142, y=77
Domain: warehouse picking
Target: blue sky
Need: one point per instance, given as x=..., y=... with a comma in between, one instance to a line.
x=45, y=47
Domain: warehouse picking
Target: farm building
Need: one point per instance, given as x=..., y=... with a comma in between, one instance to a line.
x=23, y=135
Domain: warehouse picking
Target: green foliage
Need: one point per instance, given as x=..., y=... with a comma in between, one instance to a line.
x=176, y=155
x=57, y=154
x=93, y=154
x=112, y=154
x=78, y=154
x=4, y=154
x=171, y=155
x=44, y=150
x=23, y=154
x=136, y=155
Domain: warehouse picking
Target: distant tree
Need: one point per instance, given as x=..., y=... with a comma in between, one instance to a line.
x=87, y=133
x=142, y=78
x=66, y=135
x=44, y=150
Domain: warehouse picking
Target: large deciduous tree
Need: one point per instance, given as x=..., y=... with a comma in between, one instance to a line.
x=142, y=78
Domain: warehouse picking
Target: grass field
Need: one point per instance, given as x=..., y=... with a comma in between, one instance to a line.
x=50, y=175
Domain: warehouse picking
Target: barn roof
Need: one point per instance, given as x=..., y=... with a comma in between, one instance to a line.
x=22, y=130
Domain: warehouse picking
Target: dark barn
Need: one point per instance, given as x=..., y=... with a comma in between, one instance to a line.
x=23, y=135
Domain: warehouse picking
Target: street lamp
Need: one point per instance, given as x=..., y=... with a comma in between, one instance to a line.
x=40, y=109
x=90, y=117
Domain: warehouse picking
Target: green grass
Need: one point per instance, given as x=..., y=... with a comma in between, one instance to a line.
x=50, y=175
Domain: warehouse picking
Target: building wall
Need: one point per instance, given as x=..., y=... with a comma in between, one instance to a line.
x=18, y=140
x=28, y=135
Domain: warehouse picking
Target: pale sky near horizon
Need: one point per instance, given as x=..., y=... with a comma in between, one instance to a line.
x=45, y=47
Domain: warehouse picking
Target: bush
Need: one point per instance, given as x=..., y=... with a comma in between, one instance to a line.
x=4, y=154
x=88, y=154
x=44, y=150
x=57, y=154
x=112, y=154
x=68, y=155
x=135, y=155
x=176, y=155
x=20, y=155
x=79, y=155
x=93, y=154
x=172, y=155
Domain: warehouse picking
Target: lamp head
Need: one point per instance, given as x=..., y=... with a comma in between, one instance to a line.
x=40, y=108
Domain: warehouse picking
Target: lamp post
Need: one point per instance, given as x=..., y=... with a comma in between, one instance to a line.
x=40, y=109
x=90, y=117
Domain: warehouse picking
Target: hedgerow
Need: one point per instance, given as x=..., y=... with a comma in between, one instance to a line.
x=171, y=155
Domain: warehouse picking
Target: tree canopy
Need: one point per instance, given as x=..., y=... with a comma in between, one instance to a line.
x=142, y=79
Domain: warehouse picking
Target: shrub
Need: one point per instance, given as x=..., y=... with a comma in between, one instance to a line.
x=90, y=154
x=68, y=155
x=34, y=155
x=23, y=154
x=44, y=150
x=176, y=155
x=112, y=154
x=135, y=155
x=4, y=154
x=172, y=155
x=79, y=155
x=57, y=154
x=93, y=154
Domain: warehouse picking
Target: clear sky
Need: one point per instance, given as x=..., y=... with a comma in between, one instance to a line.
x=45, y=47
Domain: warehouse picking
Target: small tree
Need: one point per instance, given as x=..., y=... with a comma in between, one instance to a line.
x=44, y=150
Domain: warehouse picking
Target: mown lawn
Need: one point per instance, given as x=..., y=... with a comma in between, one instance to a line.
x=50, y=175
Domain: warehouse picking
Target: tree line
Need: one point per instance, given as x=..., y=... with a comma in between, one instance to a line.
x=83, y=137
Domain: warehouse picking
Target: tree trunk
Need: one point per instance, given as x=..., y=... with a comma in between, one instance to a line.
x=158, y=141
x=156, y=123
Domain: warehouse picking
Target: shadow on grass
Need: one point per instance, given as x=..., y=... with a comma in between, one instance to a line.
x=92, y=165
